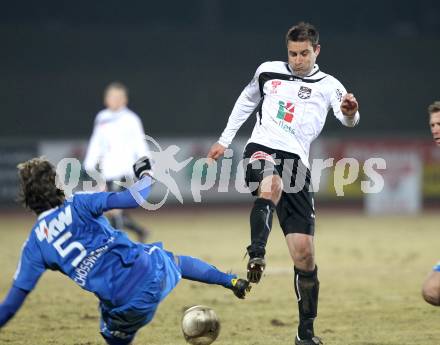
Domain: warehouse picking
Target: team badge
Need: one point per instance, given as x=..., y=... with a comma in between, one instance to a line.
x=304, y=92
x=339, y=94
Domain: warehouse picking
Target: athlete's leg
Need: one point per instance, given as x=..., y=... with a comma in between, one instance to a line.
x=297, y=219
x=198, y=270
x=119, y=325
x=261, y=216
x=261, y=172
x=306, y=281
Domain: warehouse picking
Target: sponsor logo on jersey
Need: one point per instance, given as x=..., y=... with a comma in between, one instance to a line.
x=260, y=155
x=52, y=234
x=86, y=265
x=304, y=92
x=285, y=127
x=275, y=84
x=285, y=111
x=285, y=116
x=51, y=231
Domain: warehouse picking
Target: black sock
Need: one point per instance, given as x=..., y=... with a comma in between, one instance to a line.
x=261, y=224
x=307, y=291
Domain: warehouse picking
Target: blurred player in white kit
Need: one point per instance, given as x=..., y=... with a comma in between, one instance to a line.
x=117, y=141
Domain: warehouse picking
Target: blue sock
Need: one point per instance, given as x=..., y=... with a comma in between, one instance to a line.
x=198, y=270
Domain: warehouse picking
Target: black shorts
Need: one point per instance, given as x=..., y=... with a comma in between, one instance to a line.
x=295, y=210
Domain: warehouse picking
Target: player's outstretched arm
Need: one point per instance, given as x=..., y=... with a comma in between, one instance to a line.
x=245, y=105
x=11, y=304
x=132, y=197
x=136, y=194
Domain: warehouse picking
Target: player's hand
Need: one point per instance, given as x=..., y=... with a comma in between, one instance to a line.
x=349, y=105
x=142, y=167
x=217, y=150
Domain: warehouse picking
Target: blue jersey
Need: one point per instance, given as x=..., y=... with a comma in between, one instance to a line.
x=77, y=240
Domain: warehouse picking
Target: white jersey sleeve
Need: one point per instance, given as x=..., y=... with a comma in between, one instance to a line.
x=93, y=153
x=140, y=142
x=243, y=108
x=336, y=93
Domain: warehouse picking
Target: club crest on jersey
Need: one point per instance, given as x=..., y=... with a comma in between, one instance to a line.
x=304, y=92
x=339, y=95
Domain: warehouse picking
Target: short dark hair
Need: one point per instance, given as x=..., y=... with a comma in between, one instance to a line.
x=38, y=191
x=303, y=32
x=116, y=85
x=434, y=107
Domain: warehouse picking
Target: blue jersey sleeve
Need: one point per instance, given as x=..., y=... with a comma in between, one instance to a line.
x=97, y=203
x=11, y=304
x=132, y=197
x=30, y=267
x=91, y=203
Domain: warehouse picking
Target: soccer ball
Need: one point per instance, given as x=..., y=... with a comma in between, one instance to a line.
x=200, y=325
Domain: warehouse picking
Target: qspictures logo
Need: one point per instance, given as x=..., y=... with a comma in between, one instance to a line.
x=221, y=176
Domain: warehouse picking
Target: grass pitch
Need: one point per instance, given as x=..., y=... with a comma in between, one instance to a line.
x=371, y=270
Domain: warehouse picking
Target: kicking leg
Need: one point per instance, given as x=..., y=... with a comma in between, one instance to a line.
x=198, y=270
x=301, y=248
x=261, y=224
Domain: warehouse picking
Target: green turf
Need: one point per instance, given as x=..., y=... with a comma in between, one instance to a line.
x=370, y=269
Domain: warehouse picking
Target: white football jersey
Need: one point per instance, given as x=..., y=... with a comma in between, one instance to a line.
x=290, y=110
x=118, y=140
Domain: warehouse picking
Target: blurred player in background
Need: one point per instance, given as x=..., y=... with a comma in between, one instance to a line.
x=72, y=236
x=431, y=286
x=118, y=140
x=291, y=100
x=434, y=121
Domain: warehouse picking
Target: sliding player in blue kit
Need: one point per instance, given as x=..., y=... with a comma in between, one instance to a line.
x=72, y=236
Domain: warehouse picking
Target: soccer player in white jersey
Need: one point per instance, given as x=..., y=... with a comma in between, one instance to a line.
x=431, y=286
x=118, y=140
x=290, y=100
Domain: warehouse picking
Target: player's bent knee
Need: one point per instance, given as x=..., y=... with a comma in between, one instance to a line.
x=304, y=258
x=271, y=188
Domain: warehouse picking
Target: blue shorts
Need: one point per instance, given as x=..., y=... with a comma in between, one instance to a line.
x=122, y=323
x=437, y=267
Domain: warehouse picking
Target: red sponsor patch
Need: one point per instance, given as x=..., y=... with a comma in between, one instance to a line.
x=261, y=155
x=288, y=117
